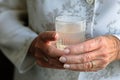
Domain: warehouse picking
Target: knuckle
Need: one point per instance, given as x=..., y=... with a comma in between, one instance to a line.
x=87, y=66
x=71, y=59
x=87, y=58
x=77, y=67
x=84, y=58
x=81, y=59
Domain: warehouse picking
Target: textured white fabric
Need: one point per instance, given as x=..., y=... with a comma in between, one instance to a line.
x=103, y=17
x=15, y=38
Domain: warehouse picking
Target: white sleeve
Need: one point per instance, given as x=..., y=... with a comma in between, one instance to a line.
x=15, y=39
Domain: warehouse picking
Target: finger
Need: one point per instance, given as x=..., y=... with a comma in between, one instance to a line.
x=48, y=36
x=82, y=58
x=56, y=62
x=54, y=52
x=50, y=61
x=86, y=66
x=86, y=46
x=49, y=52
x=43, y=63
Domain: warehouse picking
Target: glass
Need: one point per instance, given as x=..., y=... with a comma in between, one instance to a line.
x=71, y=30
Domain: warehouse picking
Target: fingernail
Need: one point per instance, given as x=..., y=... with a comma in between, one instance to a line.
x=66, y=51
x=66, y=66
x=62, y=59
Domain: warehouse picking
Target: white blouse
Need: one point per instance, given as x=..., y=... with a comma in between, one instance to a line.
x=103, y=17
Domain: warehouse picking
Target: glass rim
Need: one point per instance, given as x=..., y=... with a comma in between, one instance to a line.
x=70, y=19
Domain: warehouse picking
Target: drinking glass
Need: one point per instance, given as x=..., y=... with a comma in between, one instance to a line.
x=71, y=30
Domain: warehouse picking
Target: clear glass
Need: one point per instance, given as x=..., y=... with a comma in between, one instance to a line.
x=71, y=30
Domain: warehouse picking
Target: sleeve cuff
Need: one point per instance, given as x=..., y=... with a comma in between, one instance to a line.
x=27, y=61
x=117, y=36
x=17, y=54
x=15, y=40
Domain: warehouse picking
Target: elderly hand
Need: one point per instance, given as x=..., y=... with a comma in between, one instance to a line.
x=92, y=55
x=45, y=52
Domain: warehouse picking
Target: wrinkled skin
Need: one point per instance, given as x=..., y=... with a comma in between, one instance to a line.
x=92, y=55
x=43, y=49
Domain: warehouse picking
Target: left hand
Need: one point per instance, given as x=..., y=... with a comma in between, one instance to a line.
x=92, y=55
x=44, y=51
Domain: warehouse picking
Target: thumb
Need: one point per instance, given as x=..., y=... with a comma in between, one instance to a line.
x=48, y=36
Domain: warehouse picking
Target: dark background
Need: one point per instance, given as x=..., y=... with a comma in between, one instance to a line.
x=6, y=68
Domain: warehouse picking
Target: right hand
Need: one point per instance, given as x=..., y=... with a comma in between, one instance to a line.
x=45, y=51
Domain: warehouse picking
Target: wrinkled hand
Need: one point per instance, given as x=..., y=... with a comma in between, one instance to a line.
x=45, y=51
x=92, y=55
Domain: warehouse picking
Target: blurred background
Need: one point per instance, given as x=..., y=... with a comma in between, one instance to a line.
x=6, y=68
